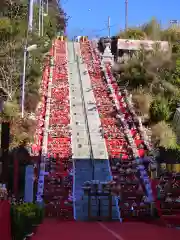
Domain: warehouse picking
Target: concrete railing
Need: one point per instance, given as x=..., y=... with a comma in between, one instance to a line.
x=45, y=136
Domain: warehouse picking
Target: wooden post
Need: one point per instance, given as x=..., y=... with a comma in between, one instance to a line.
x=16, y=177
x=89, y=205
x=5, y=135
x=110, y=207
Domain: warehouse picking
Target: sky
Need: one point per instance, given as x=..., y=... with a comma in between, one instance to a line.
x=86, y=18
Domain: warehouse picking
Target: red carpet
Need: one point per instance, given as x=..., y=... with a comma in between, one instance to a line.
x=5, y=221
x=53, y=229
x=142, y=231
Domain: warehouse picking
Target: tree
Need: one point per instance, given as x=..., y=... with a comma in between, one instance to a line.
x=10, y=111
x=149, y=70
x=13, y=33
x=153, y=78
x=142, y=101
x=163, y=135
x=159, y=110
x=133, y=33
x=152, y=29
x=172, y=35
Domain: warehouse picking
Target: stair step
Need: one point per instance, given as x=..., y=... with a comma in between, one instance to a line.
x=83, y=173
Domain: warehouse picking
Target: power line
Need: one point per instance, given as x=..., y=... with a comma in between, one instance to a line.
x=89, y=33
x=103, y=29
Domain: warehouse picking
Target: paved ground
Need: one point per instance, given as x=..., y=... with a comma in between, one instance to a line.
x=55, y=230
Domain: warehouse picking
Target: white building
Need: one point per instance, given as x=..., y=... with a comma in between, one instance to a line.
x=135, y=45
x=127, y=48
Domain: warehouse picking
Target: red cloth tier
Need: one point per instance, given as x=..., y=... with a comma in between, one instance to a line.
x=59, y=139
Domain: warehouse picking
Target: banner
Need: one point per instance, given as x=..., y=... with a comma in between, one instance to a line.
x=29, y=183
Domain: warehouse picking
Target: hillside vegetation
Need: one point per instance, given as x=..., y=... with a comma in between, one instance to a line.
x=153, y=78
x=13, y=33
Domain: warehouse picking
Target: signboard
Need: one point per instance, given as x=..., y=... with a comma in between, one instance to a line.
x=29, y=183
x=128, y=44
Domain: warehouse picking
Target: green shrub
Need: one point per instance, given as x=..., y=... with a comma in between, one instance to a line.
x=24, y=218
x=159, y=110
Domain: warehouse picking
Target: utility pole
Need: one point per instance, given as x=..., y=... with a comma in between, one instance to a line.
x=23, y=76
x=47, y=6
x=23, y=80
x=30, y=17
x=109, y=28
x=126, y=15
x=40, y=17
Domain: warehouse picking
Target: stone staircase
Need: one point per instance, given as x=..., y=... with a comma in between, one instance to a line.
x=83, y=172
x=103, y=174
x=102, y=170
x=87, y=141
